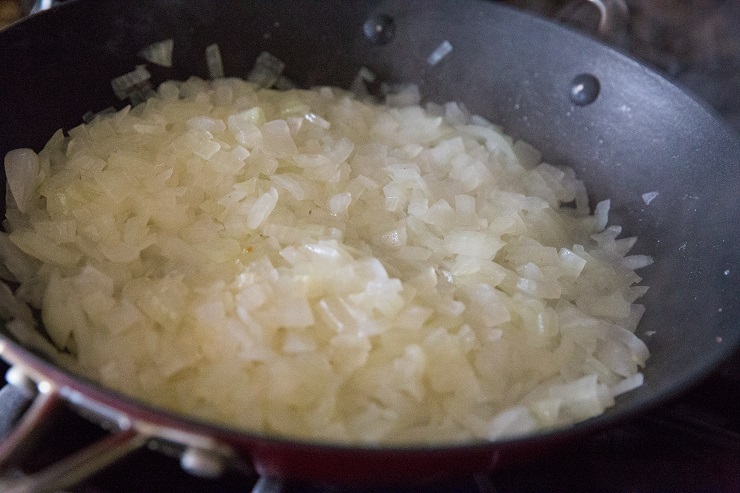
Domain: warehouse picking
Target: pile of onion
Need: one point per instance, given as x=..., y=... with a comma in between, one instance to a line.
x=306, y=264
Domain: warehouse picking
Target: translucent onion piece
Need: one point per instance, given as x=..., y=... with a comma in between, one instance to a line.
x=128, y=83
x=22, y=170
x=441, y=51
x=267, y=68
x=159, y=53
x=214, y=61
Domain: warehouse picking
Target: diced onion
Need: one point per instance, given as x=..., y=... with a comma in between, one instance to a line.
x=266, y=71
x=649, y=197
x=22, y=169
x=214, y=61
x=441, y=51
x=307, y=264
x=159, y=53
x=130, y=83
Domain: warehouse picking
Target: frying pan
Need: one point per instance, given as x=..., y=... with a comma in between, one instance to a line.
x=626, y=130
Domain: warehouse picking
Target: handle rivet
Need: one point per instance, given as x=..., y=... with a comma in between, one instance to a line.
x=202, y=463
x=379, y=29
x=584, y=89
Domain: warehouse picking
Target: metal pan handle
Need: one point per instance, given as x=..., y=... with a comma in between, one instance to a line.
x=29, y=410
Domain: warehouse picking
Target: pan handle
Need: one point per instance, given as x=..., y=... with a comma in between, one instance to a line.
x=612, y=19
x=41, y=403
x=200, y=454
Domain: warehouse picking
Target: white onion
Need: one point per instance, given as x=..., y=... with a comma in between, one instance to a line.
x=267, y=68
x=630, y=383
x=127, y=84
x=214, y=61
x=441, y=51
x=649, y=197
x=634, y=262
x=159, y=53
x=306, y=264
x=22, y=169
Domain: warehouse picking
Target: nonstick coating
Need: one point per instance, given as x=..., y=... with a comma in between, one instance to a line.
x=641, y=134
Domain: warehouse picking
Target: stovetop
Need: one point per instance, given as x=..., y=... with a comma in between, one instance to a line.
x=691, y=444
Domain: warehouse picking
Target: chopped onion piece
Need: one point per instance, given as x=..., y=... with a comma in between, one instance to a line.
x=12, y=308
x=267, y=68
x=282, y=83
x=441, y=51
x=366, y=74
x=131, y=82
x=630, y=383
x=601, y=214
x=22, y=169
x=159, y=53
x=402, y=95
x=360, y=83
x=90, y=116
x=339, y=203
x=634, y=262
x=513, y=422
x=649, y=197
x=262, y=208
x=214, y=61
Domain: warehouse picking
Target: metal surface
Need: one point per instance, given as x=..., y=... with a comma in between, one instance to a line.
x=640, y=134
x=77, y=467
x=28, y=432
